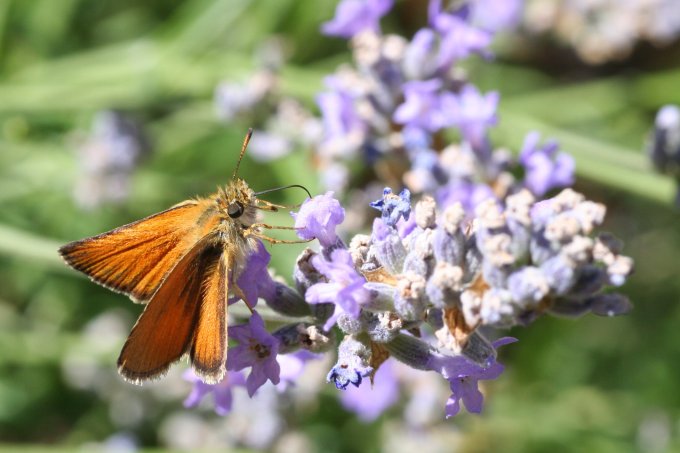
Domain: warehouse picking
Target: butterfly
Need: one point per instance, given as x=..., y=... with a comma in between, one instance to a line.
x=181, y=263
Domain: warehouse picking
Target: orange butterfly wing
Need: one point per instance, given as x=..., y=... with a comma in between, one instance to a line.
x=209, y=347
x=165, y=330
x=135, y=258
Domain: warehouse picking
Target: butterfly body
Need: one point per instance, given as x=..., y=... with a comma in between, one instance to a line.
x=181, y=263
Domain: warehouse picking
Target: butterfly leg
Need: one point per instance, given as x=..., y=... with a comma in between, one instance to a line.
x=239, y=294
x=253, y=231
x=233, y=286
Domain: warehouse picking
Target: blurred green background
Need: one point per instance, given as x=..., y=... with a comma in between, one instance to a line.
x=594, y=384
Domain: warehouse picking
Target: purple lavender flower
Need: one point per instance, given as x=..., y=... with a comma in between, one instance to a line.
x=468, y=194
x=393, y=206
x=343, y=128
x=108, y=158
x=546, y=168
x=352, y=365
x=266, y=146
x=292, y=366
x=464, y=385
x=422, y=105
x=345, y=285
x=419, y=61
x=471, y=112
x=318, y=217
x=254, y=281
x=496, y=15
x=369, y=401
x=663, y=147
x=257, y=349
x=459, y=39
x=222, y=391
x=354, y=16
x=406, y=227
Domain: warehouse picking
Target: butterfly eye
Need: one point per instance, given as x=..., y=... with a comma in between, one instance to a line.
x=235, y=210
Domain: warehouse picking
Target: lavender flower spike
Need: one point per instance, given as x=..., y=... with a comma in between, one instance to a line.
x=257, y=349
x=471, y=112
x=354, y=16
x=318, y=217
x=393, y=206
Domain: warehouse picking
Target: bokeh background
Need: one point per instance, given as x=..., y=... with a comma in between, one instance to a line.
x=592, y=384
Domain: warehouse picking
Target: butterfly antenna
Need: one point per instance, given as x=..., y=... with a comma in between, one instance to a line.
x=243, y=151
x=283, y=188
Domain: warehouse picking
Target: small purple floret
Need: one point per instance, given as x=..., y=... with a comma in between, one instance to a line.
x=471, y=112
x=464, y=376
x=257, y=349
x=545, y=167
x=255, y=281
x=345, y=287
x=352, y=365
x=318, y=217
x=354, y=16
x=422, y=105
x=393, y=206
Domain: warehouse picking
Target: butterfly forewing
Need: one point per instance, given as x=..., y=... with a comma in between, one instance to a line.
x=209, y=347
x=135, y=258
x=165, y=330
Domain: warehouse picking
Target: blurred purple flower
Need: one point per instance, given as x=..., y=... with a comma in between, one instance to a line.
x=318, y=217
x=471, y=112
x=419, y=59
x=266, y=146
x=345, y=287
x=545, y=167
x=496, y=15
x=258, y=349
x=354, y=16
x=459, y=39
x=468, y=194
x=221, y=392
x=393, y=206
x=370, y=400
x=292, y=366
x=422, y=105
x=342, y=125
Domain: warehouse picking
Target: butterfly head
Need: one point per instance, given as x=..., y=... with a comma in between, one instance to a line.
x=236, y=201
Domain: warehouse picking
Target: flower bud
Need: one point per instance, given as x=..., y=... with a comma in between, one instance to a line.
x=353, y=363
x=287, y=301
x=610, y=304
x=411, y=351
x=479, y=350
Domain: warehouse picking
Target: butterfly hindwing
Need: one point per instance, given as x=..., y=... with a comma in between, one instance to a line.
x=209, y=347
x=165, y=330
